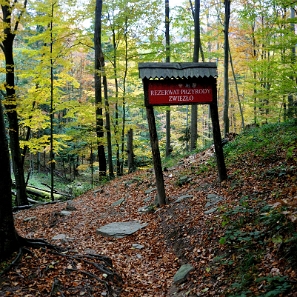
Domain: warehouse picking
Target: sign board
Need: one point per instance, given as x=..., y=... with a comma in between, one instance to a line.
x=179, y=91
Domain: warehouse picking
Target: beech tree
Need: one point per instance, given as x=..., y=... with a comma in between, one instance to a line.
x=8, y=237
x=12, y=14
x=98, y=92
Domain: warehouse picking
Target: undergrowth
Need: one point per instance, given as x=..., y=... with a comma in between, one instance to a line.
x=258, y=248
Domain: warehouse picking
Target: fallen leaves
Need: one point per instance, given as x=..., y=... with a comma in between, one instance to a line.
x=176, y=234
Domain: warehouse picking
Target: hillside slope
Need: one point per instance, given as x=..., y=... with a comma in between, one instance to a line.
x=239, y=236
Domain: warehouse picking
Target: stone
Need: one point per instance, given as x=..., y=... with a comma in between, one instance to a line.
x=213, y=199
x=29, y=219
x=183, y=180
x=183, y=197
x=182, y=273
x=146, y=209
x=119, y=202
x=59, y=237
x=70, y=206
x=137, y=246
x=212, y=210
x=90, y=251
x=120, y=229
x=148, y=191
x=65, y=213
x=148, y=199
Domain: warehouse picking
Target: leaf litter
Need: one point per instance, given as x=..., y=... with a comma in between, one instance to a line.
x=176, y=234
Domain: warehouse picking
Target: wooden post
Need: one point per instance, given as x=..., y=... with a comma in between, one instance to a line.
x=217, y=135
x=131, y=163
x=155, y=147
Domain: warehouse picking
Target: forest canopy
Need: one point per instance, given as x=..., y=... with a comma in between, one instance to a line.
x=54, y=54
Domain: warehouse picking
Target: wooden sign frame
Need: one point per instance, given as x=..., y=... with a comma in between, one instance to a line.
x=157, y=91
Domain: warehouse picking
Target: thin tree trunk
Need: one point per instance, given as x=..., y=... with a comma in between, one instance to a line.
x=236, y=88
x=226, y=67
x=167, y=37
x=131, y=163
x=52, y=161
x=98, y=93
x=197, y=42
x=108, y=130
x=124, y=96
x=291, y=107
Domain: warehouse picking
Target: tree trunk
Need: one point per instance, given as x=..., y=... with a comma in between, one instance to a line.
x=237, y=92
x=10, y=105
x=108, y=132
x=98, y=93
x=226, y=68
x=291, y=107
x=52, y=161
x=167, y=37
x=197, y=42
x=8, y=236
x=131, y=163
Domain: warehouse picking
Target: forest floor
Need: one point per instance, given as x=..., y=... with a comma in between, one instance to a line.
x=244, y=246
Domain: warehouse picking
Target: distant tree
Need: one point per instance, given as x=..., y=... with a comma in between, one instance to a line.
x=197, y=46
x=98, y=92
x=226, y=67
x=167, y=39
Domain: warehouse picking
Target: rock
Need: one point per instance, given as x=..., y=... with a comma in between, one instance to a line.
x=181, y=198
x=211, y=210
x=90, y=251
x=148, y=199
x=137, y=246
x=148, y=191
x=183, y=180
x=29, y=219
x=213, y=199
x=70, y=206
x=182, y=273
x=146, y=209
x=119, y=202
x=65, y=213
x=59, y=237
x=120, y=229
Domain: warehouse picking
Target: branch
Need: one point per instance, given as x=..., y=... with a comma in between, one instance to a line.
x=21, y=13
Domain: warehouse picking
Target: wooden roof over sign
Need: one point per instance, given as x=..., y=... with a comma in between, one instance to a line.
x=177, y=70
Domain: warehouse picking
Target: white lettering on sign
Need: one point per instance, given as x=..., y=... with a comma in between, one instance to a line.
x=179, y=92
x=164, y=92
x=180, y=98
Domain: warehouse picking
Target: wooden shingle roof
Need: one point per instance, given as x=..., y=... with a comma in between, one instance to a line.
x=177, y=70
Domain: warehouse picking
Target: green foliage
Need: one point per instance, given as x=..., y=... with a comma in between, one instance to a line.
x=264, y=142
x=248, y=230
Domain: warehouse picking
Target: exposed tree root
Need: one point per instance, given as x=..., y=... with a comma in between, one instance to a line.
x=110, y=276
x=101, y=266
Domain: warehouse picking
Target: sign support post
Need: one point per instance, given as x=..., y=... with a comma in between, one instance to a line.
x=155, y=147
x=180, y=84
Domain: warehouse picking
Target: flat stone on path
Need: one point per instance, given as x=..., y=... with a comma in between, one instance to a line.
x=118, y=202
x=183, y=197
x=65, y=213
x=59, y=237
x=182, y=273
x=213, y=199
x=120, y=229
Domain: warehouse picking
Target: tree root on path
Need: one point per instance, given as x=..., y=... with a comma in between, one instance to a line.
x=93, y=266
x=106, y=269
x=24, y=243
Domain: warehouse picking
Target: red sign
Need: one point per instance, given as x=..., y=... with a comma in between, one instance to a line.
x=172, y=92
